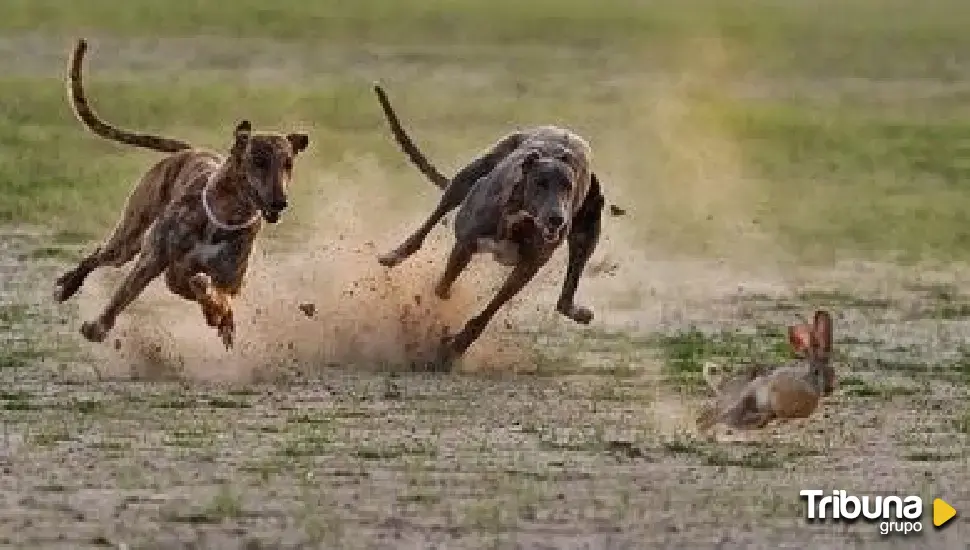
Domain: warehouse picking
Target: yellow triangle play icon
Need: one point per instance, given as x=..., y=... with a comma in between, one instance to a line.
x=942, y=512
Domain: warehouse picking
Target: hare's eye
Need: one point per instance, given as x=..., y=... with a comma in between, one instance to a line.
x=260, y=163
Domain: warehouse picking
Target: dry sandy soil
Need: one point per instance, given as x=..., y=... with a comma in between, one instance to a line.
x=317, y=433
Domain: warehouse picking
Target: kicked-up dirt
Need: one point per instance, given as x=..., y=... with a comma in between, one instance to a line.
x=317, y=433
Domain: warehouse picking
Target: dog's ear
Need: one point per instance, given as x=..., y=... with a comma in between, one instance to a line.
x=299, y=142
x=513, y=195
x=529, y=161
x=240, y=138
x=566, y=156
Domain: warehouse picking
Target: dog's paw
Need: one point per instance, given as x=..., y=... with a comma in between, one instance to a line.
x=580, y=314
x=442, y=291
x=67, y=286
x=227, y=330
x=213, y=315
x=390, y=259
x=444, y=360
x=309, y=309
x=94, y=331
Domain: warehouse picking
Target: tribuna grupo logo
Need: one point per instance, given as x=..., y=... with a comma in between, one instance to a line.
x=895, y=514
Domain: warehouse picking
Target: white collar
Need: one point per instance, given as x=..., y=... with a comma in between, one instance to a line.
x=212, y=216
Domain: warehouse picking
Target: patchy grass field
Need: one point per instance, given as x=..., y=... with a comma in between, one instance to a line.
x=774, y=157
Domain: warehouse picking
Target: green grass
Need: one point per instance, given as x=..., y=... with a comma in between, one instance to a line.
x=744, y=456
x=847, y=38
x=962, y=422
x=686, y=352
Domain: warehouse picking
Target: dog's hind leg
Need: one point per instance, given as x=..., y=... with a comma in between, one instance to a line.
x=452, y=197
x=149, y=265
x=120, y=247
x=520, y=276
x=584, y=234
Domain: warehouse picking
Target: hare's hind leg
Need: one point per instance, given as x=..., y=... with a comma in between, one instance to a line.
x=746, y=414
x=756, y=420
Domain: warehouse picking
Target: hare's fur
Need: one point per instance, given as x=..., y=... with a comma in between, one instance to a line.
x=761, y=393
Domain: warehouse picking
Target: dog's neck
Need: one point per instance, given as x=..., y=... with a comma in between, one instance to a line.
x=226, y=206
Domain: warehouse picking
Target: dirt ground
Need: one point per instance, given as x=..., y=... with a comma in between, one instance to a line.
x=319, y=433
x=315, y=433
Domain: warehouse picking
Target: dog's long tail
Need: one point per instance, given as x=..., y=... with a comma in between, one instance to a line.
x=407, y=144
x=79, y=102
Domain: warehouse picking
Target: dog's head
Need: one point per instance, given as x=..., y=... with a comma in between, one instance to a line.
x=546, y=191
x=263, y=164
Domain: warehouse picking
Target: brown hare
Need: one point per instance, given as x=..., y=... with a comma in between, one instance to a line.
x=764, y=393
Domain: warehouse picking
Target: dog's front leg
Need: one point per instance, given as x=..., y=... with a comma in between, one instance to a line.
x=215, y=306
x=198, y=288
x=221, y=280
x=461, y=254
x=150, y=264
x=584, y=234
x=520, y=276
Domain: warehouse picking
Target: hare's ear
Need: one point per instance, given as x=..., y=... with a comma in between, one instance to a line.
x=822, y=330
x=800, y=338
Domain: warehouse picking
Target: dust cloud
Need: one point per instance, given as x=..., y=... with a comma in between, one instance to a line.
x=363, y=315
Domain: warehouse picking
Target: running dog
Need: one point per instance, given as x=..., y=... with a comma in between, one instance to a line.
x=193, y=216
x=519, y=200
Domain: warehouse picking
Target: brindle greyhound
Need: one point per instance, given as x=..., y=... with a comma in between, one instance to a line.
x=193, y=216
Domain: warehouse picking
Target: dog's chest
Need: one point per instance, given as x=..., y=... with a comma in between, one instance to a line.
x=214, y=247
x=207, y=253
x=503, y=251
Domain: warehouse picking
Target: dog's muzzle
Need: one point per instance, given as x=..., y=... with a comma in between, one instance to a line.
x=271, y=216
x=271, y=211
x=551, y=235
x=552, y=229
